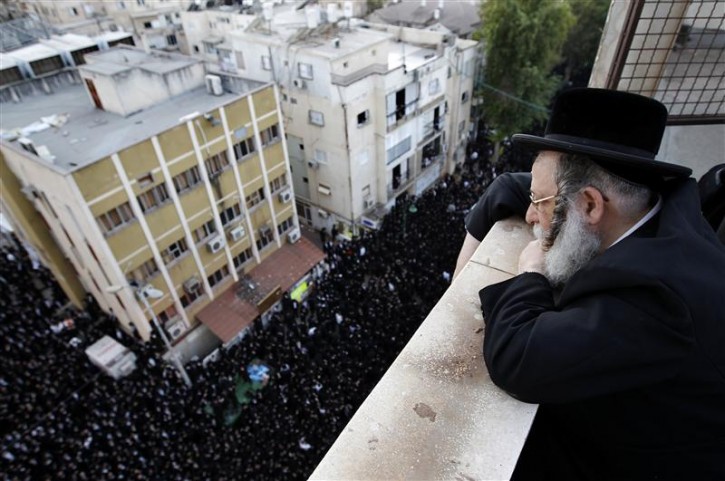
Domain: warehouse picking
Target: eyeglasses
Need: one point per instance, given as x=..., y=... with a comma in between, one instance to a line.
x=536, y=202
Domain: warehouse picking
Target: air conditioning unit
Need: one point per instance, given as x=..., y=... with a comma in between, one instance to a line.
x=236, y=233
x=285, y=196
x=368, y=203
x=192, y=285
x=215, y=244
x=176, y=329
x=323, y=213
x=293, y=236
x=299, y=83
x=214, y=84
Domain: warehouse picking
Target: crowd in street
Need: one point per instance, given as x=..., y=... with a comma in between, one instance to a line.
x=63, y=419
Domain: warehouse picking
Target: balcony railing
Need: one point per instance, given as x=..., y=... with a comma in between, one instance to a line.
x=436, y=414
x=398, y=184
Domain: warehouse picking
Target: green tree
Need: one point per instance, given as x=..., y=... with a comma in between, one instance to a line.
x=523, y=40
x=581, y=46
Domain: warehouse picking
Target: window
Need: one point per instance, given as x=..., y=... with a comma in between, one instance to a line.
x=269, y=134
x=285, y=225
x=73, y=11
x=216, y=277
x=320, y=156
x=401, y=103
x=398, y=149
x=209, y=48
x=244, y=148
x=317, y=118
x=464, y=97
x=121, y=5
x=305, y=70
x=434, y=86
x=363, y=118
x=204, y=231
x=196, y=49
x=145, y=179
x=366, y=191
x=171, y=40
x=188, y=298
x=216, y=163
x=174, y=251
x=187, y=179
x=141, y=2
x=147, y=25
x=265, y=237
x=278, y=183
x=145, y=271
x=230, y=213
x=266, y=62
x=153, y=197
x=255, y=197
x=240, y=58
x=115, y=217
x=324, y=189
x=242, y=258
x=169, y=313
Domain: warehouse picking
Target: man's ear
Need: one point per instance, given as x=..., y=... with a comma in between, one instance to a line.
x=593, y=202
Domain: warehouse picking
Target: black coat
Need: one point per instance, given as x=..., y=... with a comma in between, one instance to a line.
x=627, y=361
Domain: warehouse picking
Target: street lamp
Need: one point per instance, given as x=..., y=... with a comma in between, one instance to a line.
x=143, y=293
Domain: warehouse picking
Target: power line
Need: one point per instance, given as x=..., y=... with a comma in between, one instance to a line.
x=515, y=99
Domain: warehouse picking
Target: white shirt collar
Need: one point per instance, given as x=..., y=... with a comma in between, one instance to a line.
x=642, y=221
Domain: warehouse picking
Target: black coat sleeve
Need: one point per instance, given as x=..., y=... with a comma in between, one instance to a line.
x=617, y=333
x=507, y=196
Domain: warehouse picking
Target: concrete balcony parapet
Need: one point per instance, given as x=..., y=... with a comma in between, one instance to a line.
x=436, y=414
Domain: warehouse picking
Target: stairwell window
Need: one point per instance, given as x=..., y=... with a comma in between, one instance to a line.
x=305, y=70
x=317, y=118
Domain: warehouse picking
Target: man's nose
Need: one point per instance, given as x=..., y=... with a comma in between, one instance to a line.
x=532, y=216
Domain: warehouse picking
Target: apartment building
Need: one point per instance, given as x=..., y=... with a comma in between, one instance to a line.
x=154, y=23
x=371, y=111
x=148, y=174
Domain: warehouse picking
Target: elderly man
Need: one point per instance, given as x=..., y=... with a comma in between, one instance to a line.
x=615, y=324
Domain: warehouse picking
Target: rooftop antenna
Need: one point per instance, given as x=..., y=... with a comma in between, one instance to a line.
x=347, y=12
x=267, y=14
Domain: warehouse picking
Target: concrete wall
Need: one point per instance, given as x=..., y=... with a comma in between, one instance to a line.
x=436, y=414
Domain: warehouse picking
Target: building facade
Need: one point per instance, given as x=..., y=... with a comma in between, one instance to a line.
x=371, y=111
x=149, y=176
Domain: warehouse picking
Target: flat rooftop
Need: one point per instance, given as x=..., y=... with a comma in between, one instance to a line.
x=109, y=62
x=90, y=134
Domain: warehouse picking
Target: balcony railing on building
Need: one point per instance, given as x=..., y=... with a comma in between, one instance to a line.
x=399, y=183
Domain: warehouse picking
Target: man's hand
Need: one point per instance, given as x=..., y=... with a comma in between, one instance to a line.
x=532, y=258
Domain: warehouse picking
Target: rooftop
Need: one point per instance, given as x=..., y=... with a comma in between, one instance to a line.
x=460, y=17
x=125, y=58
x=90, y=134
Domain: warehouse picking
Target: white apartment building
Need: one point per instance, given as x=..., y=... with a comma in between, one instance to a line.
x=371, y=111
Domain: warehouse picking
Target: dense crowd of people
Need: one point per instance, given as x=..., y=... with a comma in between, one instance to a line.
x=63, y=419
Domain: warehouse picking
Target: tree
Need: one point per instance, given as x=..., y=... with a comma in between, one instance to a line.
x=581, y=46
x=523, y=40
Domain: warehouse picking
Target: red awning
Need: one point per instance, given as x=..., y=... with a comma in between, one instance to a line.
x=228, y=314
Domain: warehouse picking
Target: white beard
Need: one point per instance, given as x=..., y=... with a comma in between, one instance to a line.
x=573, y=248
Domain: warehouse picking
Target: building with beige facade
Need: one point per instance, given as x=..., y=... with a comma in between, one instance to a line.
x=371, y=111
x=146, y=174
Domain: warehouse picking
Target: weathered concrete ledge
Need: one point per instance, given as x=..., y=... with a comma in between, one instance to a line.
x=436, y=414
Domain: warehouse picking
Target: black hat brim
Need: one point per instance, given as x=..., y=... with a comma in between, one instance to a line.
x=612, y=160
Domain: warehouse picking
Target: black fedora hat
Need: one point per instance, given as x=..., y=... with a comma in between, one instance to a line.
x=620, y=131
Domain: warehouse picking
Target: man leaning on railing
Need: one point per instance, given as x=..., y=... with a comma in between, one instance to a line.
x=615, y=324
